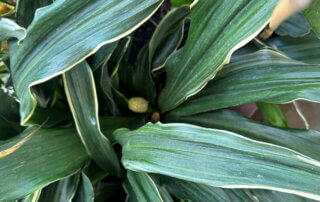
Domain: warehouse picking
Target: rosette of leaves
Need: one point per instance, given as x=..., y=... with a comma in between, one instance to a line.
x=128, y=100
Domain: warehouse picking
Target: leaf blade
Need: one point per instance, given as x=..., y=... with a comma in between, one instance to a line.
x=9, y=29
x=218, y=158
x=214, y=36
x=265, y=76
x=141, y=187
x=81, y=93
x=20, y=171
x=70, y=39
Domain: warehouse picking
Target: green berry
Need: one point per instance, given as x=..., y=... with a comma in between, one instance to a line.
x=138, y=104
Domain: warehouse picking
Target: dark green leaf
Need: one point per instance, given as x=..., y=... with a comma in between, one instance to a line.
x=102, y=56
x=165, y=194
x=85, y=190
x=167, y=36
x=9, y=116
x=26, y=10
x=305, y=49
x=50, y=155
x=31, y=197
x=142, y=78
x=272, y=196
x=302, y=141
x=61, y=191
x=56, y=42
x=141, y=187
x=295, y=26
x=218, y=158
x=111, y=123
x=109, y=82
x=213, y=36
x=82, y=98
x=186, y=190
x=265, y=76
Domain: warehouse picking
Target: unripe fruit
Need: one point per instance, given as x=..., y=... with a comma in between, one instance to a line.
x=155, y=117
x=138, y=104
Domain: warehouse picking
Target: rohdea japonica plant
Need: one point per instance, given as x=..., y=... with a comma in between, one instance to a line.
x=129, y=100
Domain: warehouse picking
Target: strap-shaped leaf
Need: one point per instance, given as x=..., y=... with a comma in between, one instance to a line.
x=295, y=26
x=18, y=141
x=141, y=187
x=85, y=190
x=302, y=141
x=202, y=193
x=313, y=15
x=167, y=36
x=61, y=191
x=26, y=10
x=9, y=116
x=214, y=35
x=31, y=197
x=66, y=32
x=142, y=78
x=186, y=190
x=305, y=49
x=81, y=93
x=263, y=195
x=266, y=76
x=102, y=56
x=9, y=29
x=218, y=158
x=165, y=40
x=50, y=155
x=109, y=84
x=110, y=123
x=165, y=194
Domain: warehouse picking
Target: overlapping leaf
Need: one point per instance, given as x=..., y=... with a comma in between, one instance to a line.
x=110, y=123
x=61, y=191
x=305, y=49
x=142, y=78
x=9, y=29
x=81, y=92
x=262, y=76
x=218, y=158
x=295, y=26
x=31, y=197
x=302, y=141
x=102, y=56
x=141, y=187
x=50, y=155
x=56, y=42
x=109, y=82
x=167, y=36
x=9, y=116
x=26, y=10
x=218, y=28
x=187, y=190
x=85, y=190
